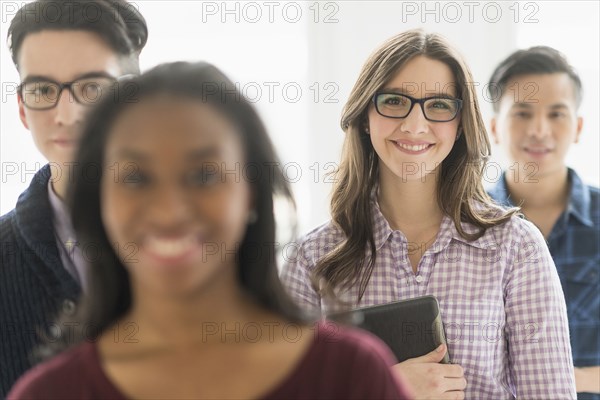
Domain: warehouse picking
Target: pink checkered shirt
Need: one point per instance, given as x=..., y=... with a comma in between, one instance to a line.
x=500, y=297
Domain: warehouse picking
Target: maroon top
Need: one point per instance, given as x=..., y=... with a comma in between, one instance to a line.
x=340, y=364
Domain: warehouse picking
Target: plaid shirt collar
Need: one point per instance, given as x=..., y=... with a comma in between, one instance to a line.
x=579, y=197
x=448, y=232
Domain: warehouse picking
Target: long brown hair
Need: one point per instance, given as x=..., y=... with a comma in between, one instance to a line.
x=460, y=192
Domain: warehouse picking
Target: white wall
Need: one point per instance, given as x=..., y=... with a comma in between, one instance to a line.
x=321, y=54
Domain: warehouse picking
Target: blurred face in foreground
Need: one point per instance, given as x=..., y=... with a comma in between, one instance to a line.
x=166, y=193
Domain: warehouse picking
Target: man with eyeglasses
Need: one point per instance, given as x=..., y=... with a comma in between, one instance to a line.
x=69, y=54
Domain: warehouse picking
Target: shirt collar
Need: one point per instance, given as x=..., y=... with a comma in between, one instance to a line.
x=382, y=230
x=486, y=241
x=579, y=197
x=500, y=192
x=61, y=220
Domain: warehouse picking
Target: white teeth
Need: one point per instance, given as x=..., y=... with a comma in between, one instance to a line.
x=409, y=147
x=169, y=247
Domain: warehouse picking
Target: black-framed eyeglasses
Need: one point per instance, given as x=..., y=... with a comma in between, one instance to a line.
x=435, y=109
x=43, y=94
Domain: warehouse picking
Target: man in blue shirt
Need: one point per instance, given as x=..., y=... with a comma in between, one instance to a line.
x=537, y=94
x=69, y=54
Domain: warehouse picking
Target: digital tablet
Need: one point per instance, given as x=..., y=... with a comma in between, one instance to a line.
x=411, y=328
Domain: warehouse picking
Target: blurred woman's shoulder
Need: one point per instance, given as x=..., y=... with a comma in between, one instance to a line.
x=72, y=374
x=344, y=362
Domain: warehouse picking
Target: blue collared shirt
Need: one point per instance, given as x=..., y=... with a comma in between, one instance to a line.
x=574, y=243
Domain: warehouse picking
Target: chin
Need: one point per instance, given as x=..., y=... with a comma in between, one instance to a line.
x=417, y=172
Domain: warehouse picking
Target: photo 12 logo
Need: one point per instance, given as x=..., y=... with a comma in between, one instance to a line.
x=273, y=92
x=53, y=11
x=253, y=12
x=469, y=11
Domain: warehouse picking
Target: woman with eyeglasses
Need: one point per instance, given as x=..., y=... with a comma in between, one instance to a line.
x=184, y=300
x=410, y=217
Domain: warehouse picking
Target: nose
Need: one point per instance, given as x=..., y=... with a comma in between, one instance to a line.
x=168, y=208
x=68, y=111
x=539, y=127
x=415, y=121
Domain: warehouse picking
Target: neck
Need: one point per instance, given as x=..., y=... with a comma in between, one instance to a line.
x=548, y=190
x=409, y=205
x=216, y=313
x=59, y=178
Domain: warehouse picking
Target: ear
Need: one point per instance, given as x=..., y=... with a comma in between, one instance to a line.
x=459, y=133
x=22, y=112
x=579, y=128
x=494, y=131
x=365, y=126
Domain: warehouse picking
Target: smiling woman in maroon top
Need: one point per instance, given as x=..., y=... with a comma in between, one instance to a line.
x=184, y=293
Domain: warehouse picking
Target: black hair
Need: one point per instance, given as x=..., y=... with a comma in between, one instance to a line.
x=533, y=61
x=117, y=22
x=109, y=294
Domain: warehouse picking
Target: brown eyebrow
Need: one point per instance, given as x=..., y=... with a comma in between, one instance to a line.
x=529, y=105
x=132, y=155
x=559, y=105
x=204, y=153
x=394, y=89
x=522, y=105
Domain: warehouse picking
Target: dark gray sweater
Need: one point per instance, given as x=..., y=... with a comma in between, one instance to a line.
x=34, y=285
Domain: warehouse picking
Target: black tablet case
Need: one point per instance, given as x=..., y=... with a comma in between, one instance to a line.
x=411, y=328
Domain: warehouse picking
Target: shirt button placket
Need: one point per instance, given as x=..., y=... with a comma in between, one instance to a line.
x=68, y=307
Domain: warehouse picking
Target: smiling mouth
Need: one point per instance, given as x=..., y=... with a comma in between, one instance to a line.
x=413, y=148
x=64, y=142
x=172, y=248
x=537, y=151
